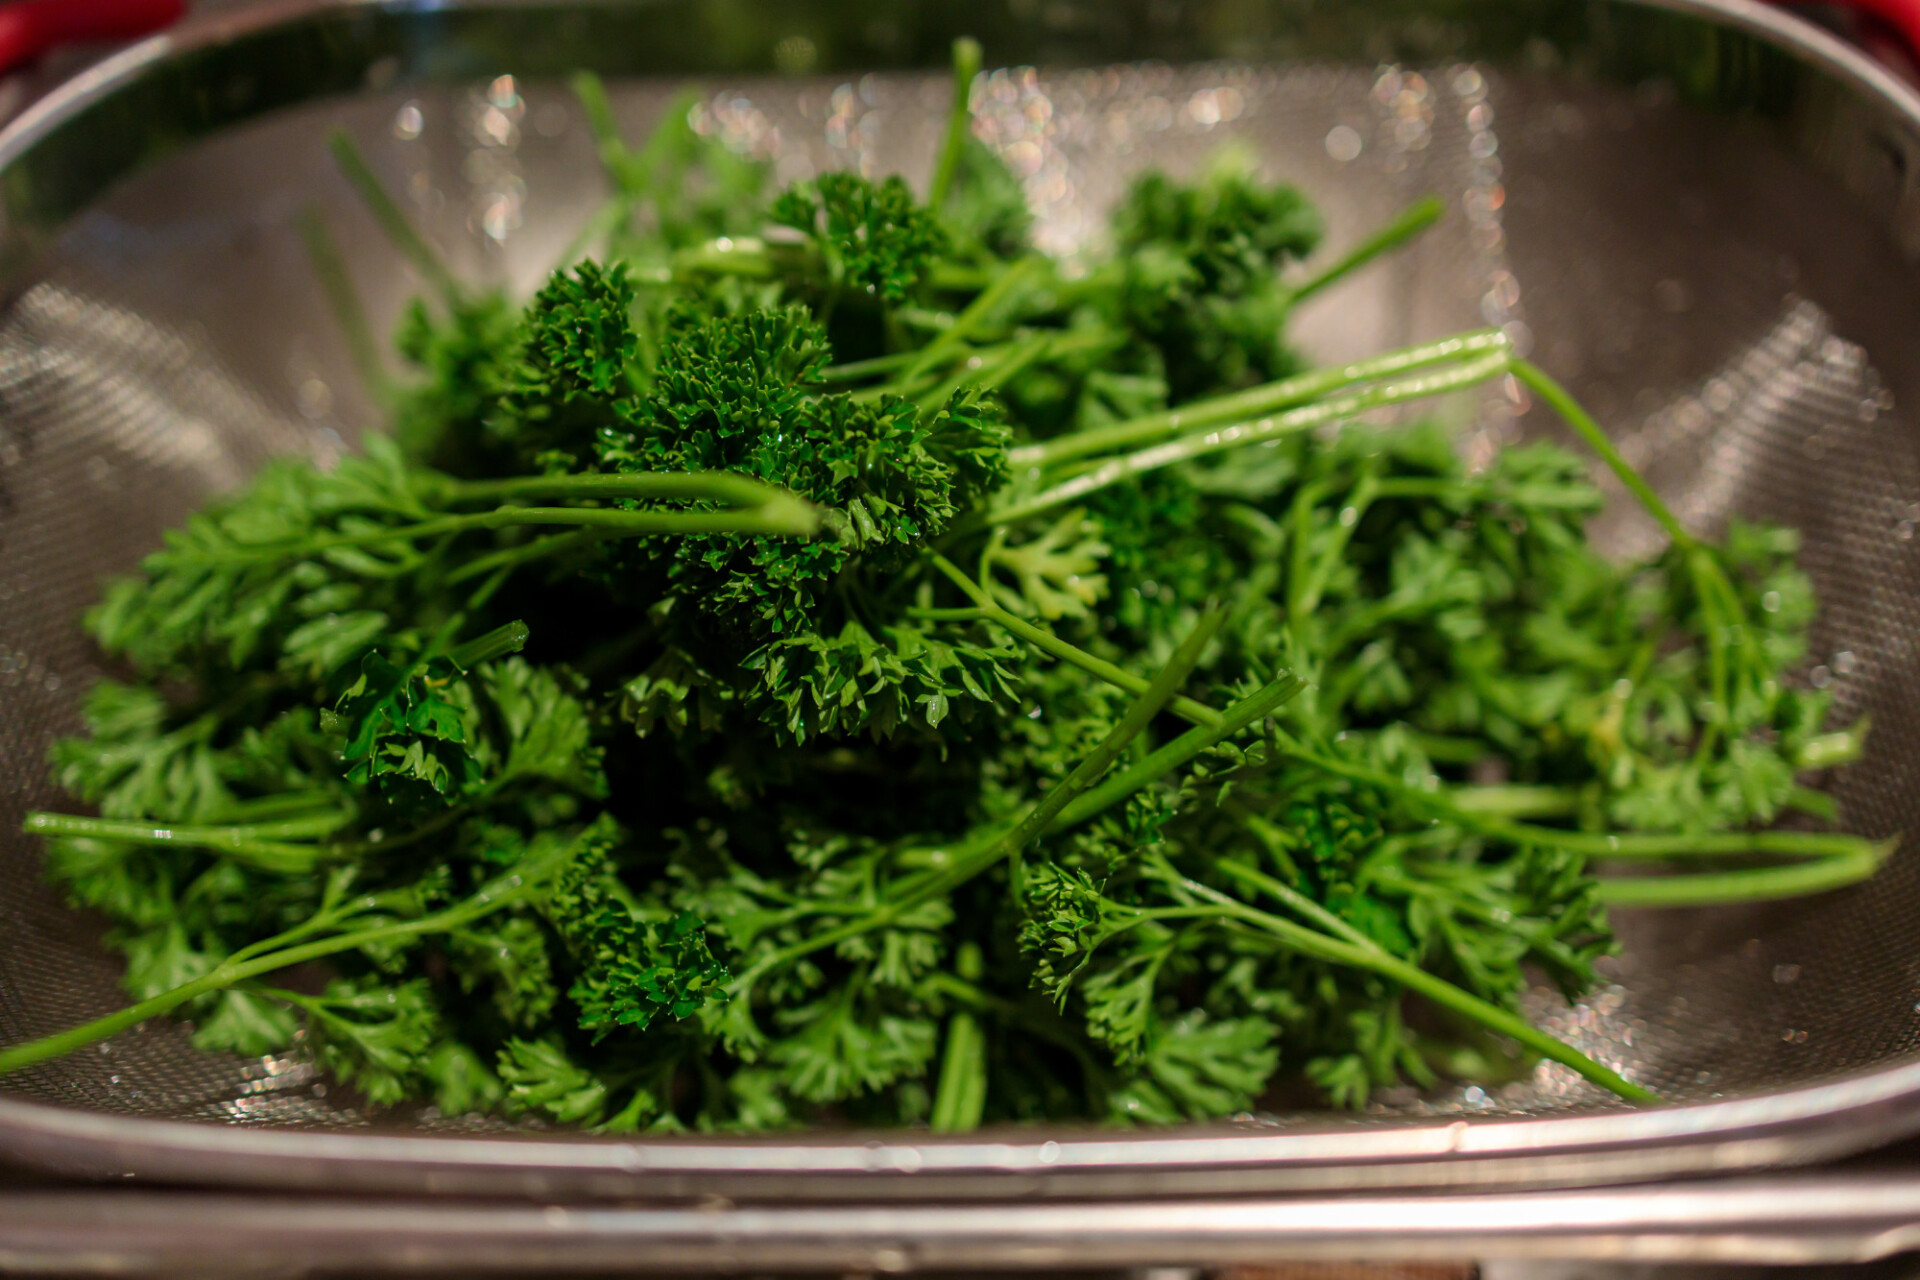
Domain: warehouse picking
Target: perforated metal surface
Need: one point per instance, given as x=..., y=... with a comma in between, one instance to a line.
x=1750, y=334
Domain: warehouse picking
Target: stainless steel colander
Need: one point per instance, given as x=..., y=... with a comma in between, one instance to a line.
x=1703, y=215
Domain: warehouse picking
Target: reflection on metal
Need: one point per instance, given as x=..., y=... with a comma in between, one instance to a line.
x=1776, y=1222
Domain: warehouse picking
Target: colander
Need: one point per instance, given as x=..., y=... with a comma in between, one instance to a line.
x=1704, y=216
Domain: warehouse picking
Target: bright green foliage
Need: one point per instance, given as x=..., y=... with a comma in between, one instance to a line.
x=630, y=970
x=986, y=214
x=461, y=360
x=542, y=1080
x=402, y=733
x=578, y=369
x=873, y=238
x=374, y=1036
x=1084, y=764
x=740, y=393
x=231, y=588
x=508, y=958
x=736, y=394
x=1202, y=273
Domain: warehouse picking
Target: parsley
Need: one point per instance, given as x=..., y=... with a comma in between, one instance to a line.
x=954, y=689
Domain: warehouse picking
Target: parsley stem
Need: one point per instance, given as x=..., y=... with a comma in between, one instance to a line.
x=537, y=549
x=1717, y=844
x=1048, y=643
x=399, y=230
x=1255, y=402
x=1818, y=846
x=336, y=282
x=605, y=220
x=860, y=370
x=1514, y=801
x=672, y=486
x=750, y=258
x=967, y=58
x=507, y=638
x=1238, y=435
x=1376, y=959
x=1571, y=412
x=608, y=142
x=1760, y=884
x=998, y=363
x=742, y=256
x=1158, y=763
x=499, y=893
x=791, y=517
x=1295, y=901
x=267, y=846
x=948, y=341
x=1151, y=701
x=961, y=1097
x=1305, y=590
x=1410, y=222
x=989, y=375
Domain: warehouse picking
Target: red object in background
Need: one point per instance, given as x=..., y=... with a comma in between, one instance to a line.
x=1902, y=15
x=29, y=28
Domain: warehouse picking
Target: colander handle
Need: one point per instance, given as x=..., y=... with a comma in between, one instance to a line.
x=28, y=28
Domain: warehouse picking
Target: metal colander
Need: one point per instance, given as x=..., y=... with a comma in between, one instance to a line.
x=1702, y=216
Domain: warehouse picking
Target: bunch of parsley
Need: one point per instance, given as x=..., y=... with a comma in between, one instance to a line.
x=819, y=659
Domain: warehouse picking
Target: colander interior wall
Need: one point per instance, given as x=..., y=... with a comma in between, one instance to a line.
x=1710, y=238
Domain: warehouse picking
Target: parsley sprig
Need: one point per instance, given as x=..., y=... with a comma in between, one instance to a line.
x=820, y=659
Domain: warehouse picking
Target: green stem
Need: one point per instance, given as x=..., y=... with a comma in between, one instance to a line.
x=966, y=65
x=990, y=375
x=749, y=258
x=1158, y=694
x=670, y=486
x=1305, y=592
x=1295, y=901
x=1720, y=844
x=1159, y=763
x=1000, y=361
x=1538, y=497
x=1257, y=401
x=500, y=893
x=399, y=230
x=1412, y=222
x=791, y=518
x=745, y=257
x=607, y=140
x=1510, y=801
x=507, y=638
x=961, y=1099
x=861, y=370
x=1763, y=884
x=962, y=1096
x=1815, y=845
x=607, y=219
x=266, y=846
x=1048, y=643
x=1570, y=411
x=526, y=552
x=262, y=810
x=1376, y=959
x=336, y=282
x=949, y=340
x=1240, y=435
